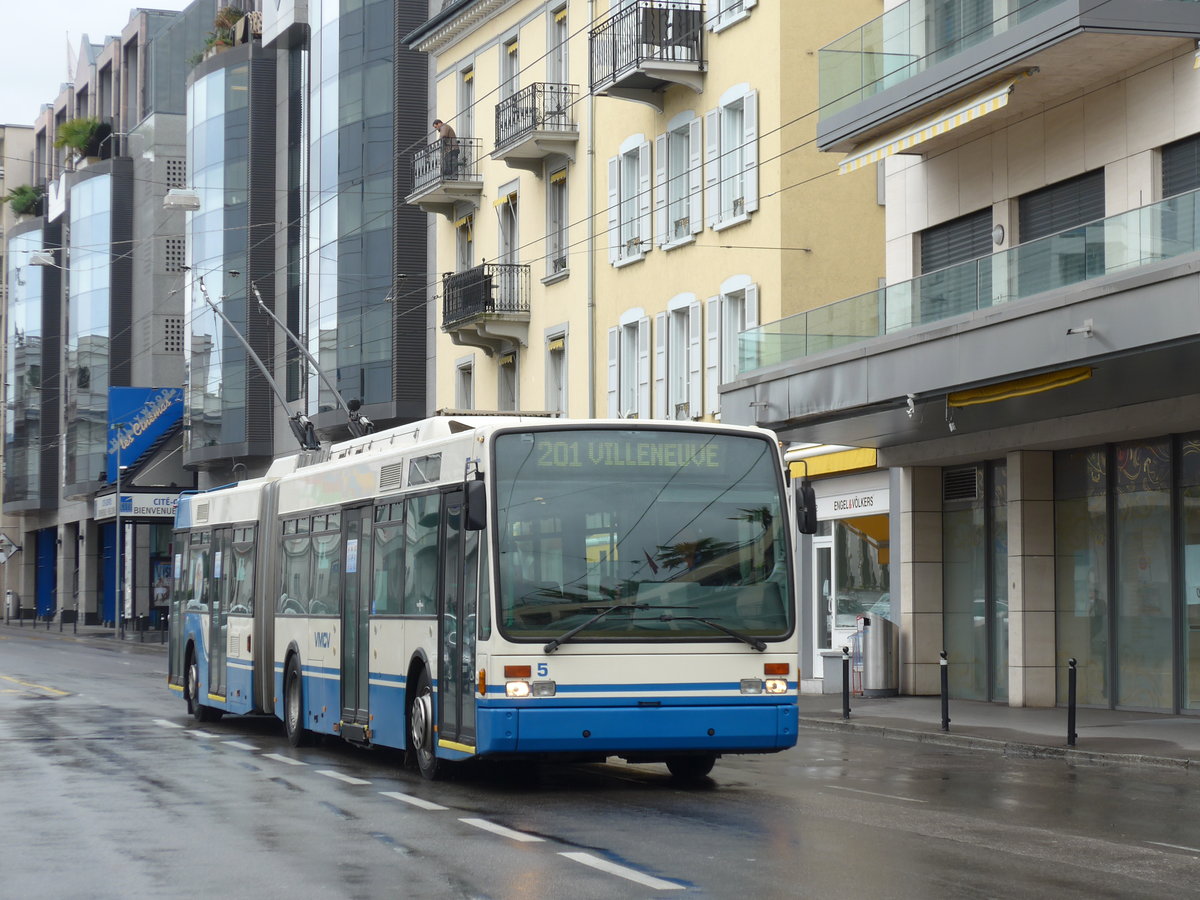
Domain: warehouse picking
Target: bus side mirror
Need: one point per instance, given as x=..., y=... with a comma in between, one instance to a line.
x=806, y=508
x=475, y=514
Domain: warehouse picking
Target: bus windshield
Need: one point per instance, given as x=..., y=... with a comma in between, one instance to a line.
x=653, y=535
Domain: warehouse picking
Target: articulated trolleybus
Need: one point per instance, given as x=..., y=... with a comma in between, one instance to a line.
x=501, y=587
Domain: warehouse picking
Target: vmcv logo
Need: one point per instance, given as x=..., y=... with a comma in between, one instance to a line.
x=321, y=639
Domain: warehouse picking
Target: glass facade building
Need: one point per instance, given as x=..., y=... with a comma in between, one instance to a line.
x=23, y=378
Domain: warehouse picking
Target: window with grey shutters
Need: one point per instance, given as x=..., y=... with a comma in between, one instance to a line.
x=1061, y=206
x=950, y=286
x=1181, y=166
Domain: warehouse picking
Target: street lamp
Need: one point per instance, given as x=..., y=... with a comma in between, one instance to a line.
x=118, y=622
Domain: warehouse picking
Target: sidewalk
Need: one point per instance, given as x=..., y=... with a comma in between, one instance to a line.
x=1105, y=737
x=90, y=634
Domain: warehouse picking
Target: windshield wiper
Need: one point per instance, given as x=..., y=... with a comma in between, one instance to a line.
x=562, y=639
x=757, y=643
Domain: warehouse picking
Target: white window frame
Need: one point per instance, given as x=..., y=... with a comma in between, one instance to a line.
x=464, y=382
x=558, y=209
x=730, y=165
x=733, y=310
x=729, y=12
x=629, y=366
x=556, y=369
x=629, y=202
x=679, y=181
x=679, y=377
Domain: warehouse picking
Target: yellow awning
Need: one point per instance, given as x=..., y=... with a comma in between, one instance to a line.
x=464, y=222
x=469, y=75
x=835, y=463
x=556, y=344
x=512, y=48
x=507, y=198
x=508, y=359
x=559, y=176
x=560, y=15
x=1019, y=387
x=980, y=105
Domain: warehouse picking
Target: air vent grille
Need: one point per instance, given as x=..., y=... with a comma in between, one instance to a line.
x=390, y=477
x=201, y=513
x=960, y=484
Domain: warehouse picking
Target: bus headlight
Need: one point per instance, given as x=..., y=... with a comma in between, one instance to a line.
x=752, y=686
x=776, y=685
x=544, y=688
x=516, y=689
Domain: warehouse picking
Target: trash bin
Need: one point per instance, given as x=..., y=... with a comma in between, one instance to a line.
x=881, y=658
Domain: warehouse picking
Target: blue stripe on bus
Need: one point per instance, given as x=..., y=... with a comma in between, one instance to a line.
x=658, y=688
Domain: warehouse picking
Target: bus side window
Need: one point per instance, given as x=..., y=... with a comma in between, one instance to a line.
x=420, y=555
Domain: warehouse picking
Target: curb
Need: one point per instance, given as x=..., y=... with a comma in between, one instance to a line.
x=1013, y=749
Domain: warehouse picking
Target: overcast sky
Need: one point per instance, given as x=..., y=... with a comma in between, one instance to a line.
x=34, y=62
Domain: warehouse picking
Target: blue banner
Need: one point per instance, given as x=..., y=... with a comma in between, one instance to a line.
x=137, y=417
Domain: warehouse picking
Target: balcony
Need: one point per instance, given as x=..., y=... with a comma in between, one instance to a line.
x=536, y=123
x=444, y=174
x=487, y=306
x=649, y=45
x=925, y=57
x=1121, y=243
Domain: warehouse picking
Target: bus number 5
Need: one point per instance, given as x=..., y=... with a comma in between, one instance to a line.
x=543, y=670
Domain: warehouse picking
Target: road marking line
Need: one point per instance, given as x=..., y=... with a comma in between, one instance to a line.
x=415, y=801
x=502, y=831
x=287, y=760
x=625, y=872
x=349, y=779
x=196, y=732
x=1174, y=846
x=238, y=745
x=163, y=723
x=36, y=687
x=838, y=787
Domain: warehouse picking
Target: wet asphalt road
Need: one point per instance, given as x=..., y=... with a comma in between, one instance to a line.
x=107, y=789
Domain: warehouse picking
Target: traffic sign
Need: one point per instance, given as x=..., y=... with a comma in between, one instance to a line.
x=7, y=547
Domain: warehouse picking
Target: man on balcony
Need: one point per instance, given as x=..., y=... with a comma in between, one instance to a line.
x=450, y=148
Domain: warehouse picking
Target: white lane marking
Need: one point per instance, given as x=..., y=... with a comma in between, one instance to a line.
x=415, y=801
x=287, y=760
x=604, y=865
x=163, y=723
x=349, y=779
x=195, y=732
x=501, y=830
x=1174, y=846
x=238, y=745
x=838, y=787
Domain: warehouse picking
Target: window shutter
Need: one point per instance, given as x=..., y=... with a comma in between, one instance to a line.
x=660, y=188
x=712, y=166
x=712, y=353
x=643, y=342
x=1061, y=206
x=696, y=175
x=614, y=343
x=746, y=351
x=750, y=150
x=961, y=239
x=660, y=366
x=695, y=371
x=644, y=197
x=614, y=209
x=1181, y=166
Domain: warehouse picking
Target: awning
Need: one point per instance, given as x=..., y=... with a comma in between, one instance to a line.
x=1019, y=387
x=980, y=105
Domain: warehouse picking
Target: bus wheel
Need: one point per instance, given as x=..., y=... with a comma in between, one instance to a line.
x=191, y=690
x=293, y=705
x=420, y=730
x=691, y=768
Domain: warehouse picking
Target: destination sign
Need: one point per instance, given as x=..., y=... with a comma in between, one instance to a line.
x=628, y=453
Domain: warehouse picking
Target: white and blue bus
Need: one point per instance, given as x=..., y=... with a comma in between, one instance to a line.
x=501, y=587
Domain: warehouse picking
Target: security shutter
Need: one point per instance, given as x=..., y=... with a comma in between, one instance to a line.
x=1061, y=206
x=1181, y=166
x=967, y=237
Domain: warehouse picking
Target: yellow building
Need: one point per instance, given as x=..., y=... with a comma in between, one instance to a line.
x=628, y=186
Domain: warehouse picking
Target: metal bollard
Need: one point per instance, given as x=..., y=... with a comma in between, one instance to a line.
x=845, y=682
x=944, y=664
x=1072, y=678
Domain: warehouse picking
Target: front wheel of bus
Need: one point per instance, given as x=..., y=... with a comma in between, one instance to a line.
x=293, y=705
x=421, y=730
x=691, y=768
x=191, y=690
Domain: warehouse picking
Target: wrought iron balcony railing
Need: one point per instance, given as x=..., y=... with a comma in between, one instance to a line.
x=501, y=288
x=453, y=159
x=646, y=31
x=539, y=107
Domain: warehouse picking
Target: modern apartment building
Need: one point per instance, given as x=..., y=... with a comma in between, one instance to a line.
x=628, y=186
x=1023, y=392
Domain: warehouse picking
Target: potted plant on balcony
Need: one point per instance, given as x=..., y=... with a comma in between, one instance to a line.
x=86, y=136
x=222, y=35
x=25, y=200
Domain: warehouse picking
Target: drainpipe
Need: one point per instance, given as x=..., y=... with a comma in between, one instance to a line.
x=591, y=239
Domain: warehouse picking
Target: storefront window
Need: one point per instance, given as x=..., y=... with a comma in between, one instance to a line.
x=998, y=565
x=964, y=584
x=1189, y=469
x=1081, y=560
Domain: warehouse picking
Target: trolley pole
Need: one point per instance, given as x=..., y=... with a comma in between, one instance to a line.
x=944, y=665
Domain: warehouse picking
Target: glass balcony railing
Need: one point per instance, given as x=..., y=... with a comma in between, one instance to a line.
x=1141, y=236
x=907, y=40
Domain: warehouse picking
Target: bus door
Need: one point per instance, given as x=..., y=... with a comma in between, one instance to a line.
x=456, y=684
x=218, y=622
x=356, y=622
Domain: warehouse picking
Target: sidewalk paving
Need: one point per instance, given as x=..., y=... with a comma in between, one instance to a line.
x=1104, y=736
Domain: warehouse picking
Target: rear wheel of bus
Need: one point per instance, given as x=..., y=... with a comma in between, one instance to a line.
x=691, y=768
x=293, y=705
